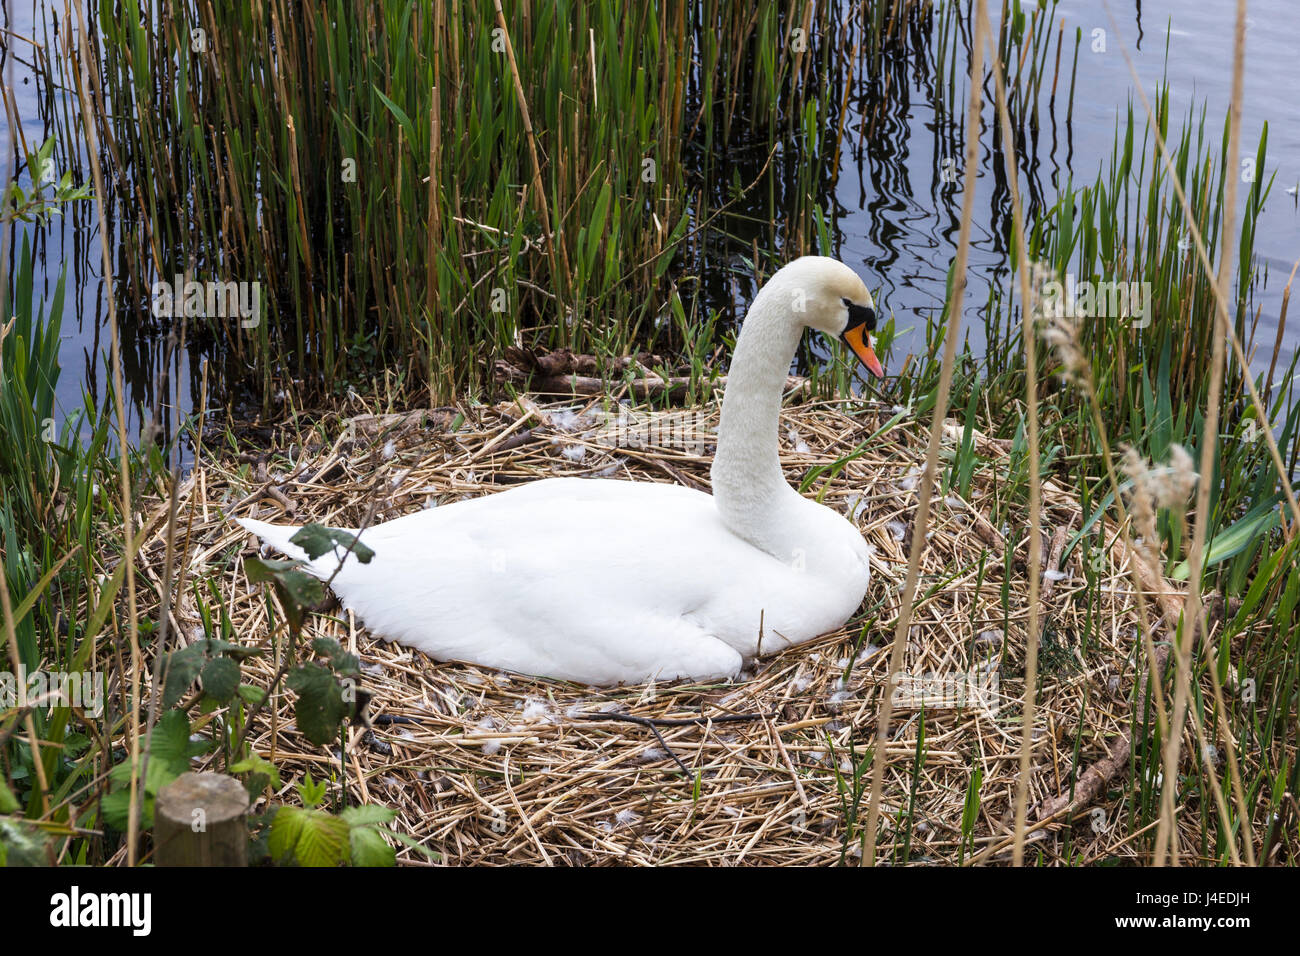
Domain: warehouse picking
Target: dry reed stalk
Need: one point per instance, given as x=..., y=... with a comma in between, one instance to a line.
x=29, y=722
x=936, y=428
x=10, y=637
x=86, y=79
x=1257, y=403
x=1209, y=444
x=539, y=189
x=1028, y=308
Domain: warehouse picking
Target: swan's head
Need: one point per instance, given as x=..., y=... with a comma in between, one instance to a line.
x=828, y=296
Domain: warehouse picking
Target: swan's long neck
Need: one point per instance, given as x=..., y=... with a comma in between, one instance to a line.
x=748, y=486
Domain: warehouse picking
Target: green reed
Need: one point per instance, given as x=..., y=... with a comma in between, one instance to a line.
x=1150, y=380
x=378, y=181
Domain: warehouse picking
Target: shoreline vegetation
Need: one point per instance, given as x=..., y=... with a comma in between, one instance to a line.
x=474, y=235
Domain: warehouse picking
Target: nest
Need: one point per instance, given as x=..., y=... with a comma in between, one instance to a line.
x=490, y=767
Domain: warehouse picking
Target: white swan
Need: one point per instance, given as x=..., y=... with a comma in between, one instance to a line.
x=606, y=581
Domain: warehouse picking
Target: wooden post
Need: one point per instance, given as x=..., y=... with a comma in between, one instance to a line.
x=199, y=820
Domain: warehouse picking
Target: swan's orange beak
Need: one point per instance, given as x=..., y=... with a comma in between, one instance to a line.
x=858, y=339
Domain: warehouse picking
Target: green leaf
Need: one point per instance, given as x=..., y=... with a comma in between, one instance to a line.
x=311, y=791
x=665, y=258
x=320, y=707
x=8, y=802
x=255, y=763
x=220, y=677
x=286, y=828
x=116, y=804
x=318, y=540
x=368, y=815
x=1264, y=579
x=348, y=665
x=20, y=611
x=597, y=228
x=107, y=593
x=180, y=668
x=215, y=645
x=265, y=569
x=261, y=774
x=297, y=590
x=251, y=695
x=116, y=810
x=1235, y=539
x=159, y=774
x=369, y=848
x=170, y=744
x=405, y=121
x=286, y=573
x=324, y=840
x=22, y=845
x=308, y=837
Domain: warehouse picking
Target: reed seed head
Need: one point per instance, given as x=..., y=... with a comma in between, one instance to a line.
x=1167, y=486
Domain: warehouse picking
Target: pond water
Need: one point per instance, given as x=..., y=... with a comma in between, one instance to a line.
x=890, y=218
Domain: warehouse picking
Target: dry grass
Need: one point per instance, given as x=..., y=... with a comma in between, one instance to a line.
x=488, y=767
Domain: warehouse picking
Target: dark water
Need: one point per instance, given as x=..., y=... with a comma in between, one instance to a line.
x=892, y=220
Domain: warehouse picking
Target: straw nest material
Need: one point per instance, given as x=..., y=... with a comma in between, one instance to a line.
x=488, y=767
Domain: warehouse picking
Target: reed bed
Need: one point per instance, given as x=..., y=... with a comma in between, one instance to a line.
x=436, y=176
x=442, y=178
x=488, y=767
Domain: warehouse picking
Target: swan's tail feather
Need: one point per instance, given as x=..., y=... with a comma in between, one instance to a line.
x=277, y=536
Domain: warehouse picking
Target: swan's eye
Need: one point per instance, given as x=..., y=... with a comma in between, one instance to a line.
x=860, y=315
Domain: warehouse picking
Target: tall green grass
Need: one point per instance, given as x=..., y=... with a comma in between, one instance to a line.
x=404, y=206
x=57, y=554
x=378, y=180
x=1153, y=386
